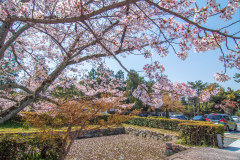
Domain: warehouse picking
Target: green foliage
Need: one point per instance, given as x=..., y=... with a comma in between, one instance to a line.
x=41, y=146
x=99, y=118
x=202, y=134
x=183, y=101
x=208, y=107
x=162, y=123
x=223, y=95
x=119, y=75
x=198, y=85
x=132, y=84
x=237, y=77
x=191, y=132
x=66, y=93
x=14, y=122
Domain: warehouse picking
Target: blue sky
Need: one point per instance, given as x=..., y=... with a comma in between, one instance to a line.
x=198, y=66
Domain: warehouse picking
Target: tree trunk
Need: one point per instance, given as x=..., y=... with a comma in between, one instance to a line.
x=167, y=112
x=13, y=110
x=198, y=111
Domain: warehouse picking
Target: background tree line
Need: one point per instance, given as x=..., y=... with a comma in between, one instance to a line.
x=224, y=97
x=188, y=105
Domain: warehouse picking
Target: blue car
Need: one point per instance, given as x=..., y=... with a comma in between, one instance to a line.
x=182, y=117
x=199, y=118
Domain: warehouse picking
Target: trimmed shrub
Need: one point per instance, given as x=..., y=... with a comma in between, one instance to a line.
x=40, y=146
x=162, y=123
x=100, y=118
x=203, y=134
x=191, y=132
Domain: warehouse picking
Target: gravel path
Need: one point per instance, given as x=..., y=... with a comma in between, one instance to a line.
x=119, y=147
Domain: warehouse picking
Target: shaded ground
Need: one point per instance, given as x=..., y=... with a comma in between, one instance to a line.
x=120, y=147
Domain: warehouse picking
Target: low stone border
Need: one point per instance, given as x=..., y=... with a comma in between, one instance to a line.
x=101, y=132
x=172, y=148
x=151, y=134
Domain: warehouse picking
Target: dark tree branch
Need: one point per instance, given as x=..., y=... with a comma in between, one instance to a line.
x=15, y=86
x=71, y=19
x=190, y=22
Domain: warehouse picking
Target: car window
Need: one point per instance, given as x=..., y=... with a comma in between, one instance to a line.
x=227, y=118
x=214, y=117
x=176, y=116
x=198, y=117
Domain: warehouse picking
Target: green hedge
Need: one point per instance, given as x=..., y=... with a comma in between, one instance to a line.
x=40, y=146
x=162, y=123
x=104, y=117
x=203, y=134
x=191, y=132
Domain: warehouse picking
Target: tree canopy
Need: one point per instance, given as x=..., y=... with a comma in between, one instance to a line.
x=47, y=40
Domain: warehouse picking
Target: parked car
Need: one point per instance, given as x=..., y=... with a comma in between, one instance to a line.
x=199, y=118
x=144, y=114
x=224, y=119
x=182, y=117
x=235, y=118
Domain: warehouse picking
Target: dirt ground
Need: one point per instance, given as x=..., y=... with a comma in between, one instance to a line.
x=119, y=147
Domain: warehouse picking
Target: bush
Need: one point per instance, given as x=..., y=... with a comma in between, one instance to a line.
x=14, y=122
x=162, y=123
x=191, y=132
x=41, y=146
x=104, y=118
x=203, y=134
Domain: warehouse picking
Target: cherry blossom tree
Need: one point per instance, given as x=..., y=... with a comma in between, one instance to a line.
x=99, y=95
x=47, y=40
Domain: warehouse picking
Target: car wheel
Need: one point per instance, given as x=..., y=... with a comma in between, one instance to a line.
x=227, y=128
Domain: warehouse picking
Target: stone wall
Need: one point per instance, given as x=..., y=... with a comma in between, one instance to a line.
x=151, y=134
x=172, y=148
x=101, y=132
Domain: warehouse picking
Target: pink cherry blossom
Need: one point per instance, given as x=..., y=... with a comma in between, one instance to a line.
x=48, y=44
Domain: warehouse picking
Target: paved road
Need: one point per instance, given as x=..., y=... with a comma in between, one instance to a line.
x=231, y=150
x=232, y=144
x=205, y=153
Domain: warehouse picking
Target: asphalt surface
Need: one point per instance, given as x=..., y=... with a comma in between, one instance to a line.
x=228, y=141
x=232, y=134
x=231, y=150
x=205, y=153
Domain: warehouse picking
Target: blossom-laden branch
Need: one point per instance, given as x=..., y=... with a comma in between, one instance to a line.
x=226, y=104
x=51, y=41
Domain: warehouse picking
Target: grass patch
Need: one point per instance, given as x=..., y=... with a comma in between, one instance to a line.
x=13, y=127
x=151, y=129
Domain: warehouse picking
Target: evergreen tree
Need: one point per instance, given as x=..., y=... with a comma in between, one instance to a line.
x=119, y=75
x=237, y=77
x=131, y=86
x=199, y=86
